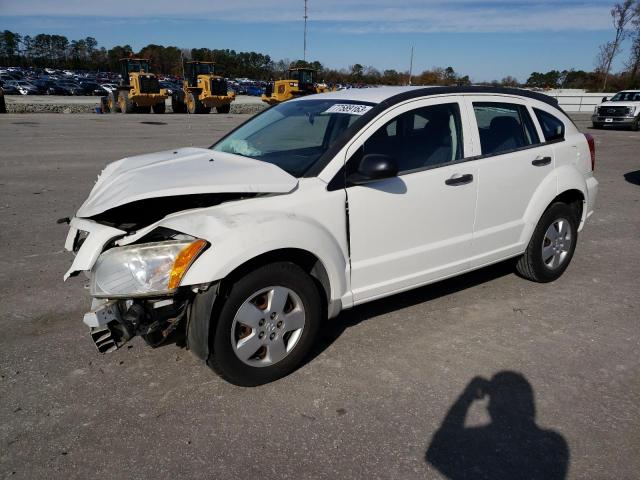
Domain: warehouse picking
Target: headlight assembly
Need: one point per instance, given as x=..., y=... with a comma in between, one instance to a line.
x=143, y=270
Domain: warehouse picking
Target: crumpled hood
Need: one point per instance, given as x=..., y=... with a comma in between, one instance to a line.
x=184, y=171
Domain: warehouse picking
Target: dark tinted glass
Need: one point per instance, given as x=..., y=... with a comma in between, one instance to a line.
x=504, y=127
x=421, y=138
x=552, y=128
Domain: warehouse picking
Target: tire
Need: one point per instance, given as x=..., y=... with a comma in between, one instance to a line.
x=282, y=280
x=143, y=109
x=536, y=264
x=112, y=103
x=126, y=105
x=177, y=105
x=194, y=105
x=160, y=107
x=635, y=126
x=224, y=108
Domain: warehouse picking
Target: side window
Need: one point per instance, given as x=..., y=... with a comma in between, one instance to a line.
x=504, y=127
x=552, y=128
x=421, y=138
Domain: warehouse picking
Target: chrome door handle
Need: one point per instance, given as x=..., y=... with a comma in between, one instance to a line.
x=459, y=179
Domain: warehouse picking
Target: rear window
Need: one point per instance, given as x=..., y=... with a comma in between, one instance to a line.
x=504, y=127
x=552, y=128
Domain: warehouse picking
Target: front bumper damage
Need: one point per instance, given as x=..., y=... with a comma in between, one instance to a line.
x=112, y=323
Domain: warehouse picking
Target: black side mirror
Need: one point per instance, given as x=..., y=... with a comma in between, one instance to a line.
x=604, y=99
x=374, y=166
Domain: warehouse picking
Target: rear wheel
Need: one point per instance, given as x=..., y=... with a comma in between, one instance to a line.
x=267, y=324
x=125, y=104
x=224, y=108
x=552, y=244
x=177, y=104
x=160, y=107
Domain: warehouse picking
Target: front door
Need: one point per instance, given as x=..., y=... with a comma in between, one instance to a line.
x=416, y=227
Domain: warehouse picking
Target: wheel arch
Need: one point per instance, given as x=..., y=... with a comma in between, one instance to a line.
x=205, y=308
x=566, y=185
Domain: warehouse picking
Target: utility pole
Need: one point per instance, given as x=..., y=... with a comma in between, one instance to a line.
x=411, y=65
x=304, y=54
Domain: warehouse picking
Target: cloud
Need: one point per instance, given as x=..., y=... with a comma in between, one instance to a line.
x=358, y=16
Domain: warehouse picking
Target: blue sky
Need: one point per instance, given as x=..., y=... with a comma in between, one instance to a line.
x=486, y=39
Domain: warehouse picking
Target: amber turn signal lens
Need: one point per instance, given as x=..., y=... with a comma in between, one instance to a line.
x=183, y=261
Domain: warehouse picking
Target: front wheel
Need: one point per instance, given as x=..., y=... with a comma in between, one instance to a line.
x=160, y=107
x=552, y=244
x=266, y=326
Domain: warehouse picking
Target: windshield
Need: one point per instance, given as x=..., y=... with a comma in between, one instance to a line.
x=293, y=135
x=626, y=97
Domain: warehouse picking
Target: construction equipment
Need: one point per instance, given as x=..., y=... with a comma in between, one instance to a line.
x=202, y=91
x=139, y=90
x=299, y=82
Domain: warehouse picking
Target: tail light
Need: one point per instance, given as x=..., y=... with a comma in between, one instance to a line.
x=592, y=148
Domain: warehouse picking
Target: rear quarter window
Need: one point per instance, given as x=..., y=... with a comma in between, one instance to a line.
x=552, y=127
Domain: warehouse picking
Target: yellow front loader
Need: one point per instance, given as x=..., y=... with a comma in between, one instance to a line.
x=299, y=82
x=202, y=91
x=139, y=90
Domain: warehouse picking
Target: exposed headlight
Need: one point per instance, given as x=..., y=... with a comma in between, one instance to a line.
x=595, y=110
x=143, y=270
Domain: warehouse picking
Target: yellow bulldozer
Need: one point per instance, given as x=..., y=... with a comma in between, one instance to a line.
x=299, y=82
x=139, y=90
x=202, y=90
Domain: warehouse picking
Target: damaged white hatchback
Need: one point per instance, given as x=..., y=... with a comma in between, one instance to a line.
x=322, y=203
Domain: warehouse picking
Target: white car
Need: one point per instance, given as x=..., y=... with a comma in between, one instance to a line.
x=622, y=110
x=323, y=203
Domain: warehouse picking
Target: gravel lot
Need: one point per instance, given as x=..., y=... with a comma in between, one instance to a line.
x=82, y=104
x=381, y=382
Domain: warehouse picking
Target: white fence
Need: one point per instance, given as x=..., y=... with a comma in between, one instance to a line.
x=578, y=102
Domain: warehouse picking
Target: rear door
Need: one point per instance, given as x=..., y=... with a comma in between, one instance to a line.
x=512, y=163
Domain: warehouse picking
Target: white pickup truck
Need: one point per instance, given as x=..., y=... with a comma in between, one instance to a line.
x=623, y=110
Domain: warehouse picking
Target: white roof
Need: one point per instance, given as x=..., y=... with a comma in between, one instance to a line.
x=372, y=95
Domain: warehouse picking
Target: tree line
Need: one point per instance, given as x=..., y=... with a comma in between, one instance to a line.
x=57, y=51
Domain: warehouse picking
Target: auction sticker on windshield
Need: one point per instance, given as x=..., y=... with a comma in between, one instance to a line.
x=351, y=109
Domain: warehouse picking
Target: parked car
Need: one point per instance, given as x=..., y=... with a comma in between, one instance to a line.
x=8, y=88
x=23, y=87
x=322, y=203
x=109, y=87
x=623, y=110
x=93, y=88
x=71, y=87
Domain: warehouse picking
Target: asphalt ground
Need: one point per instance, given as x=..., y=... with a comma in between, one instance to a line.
x=373, y=399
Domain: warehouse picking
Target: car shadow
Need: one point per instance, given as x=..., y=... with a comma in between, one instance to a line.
x=633, y=177
x=335, y=327
x=510, y=446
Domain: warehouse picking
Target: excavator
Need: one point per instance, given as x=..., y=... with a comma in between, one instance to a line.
x=202, y=90
x=299, y=82
x=139, y=90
